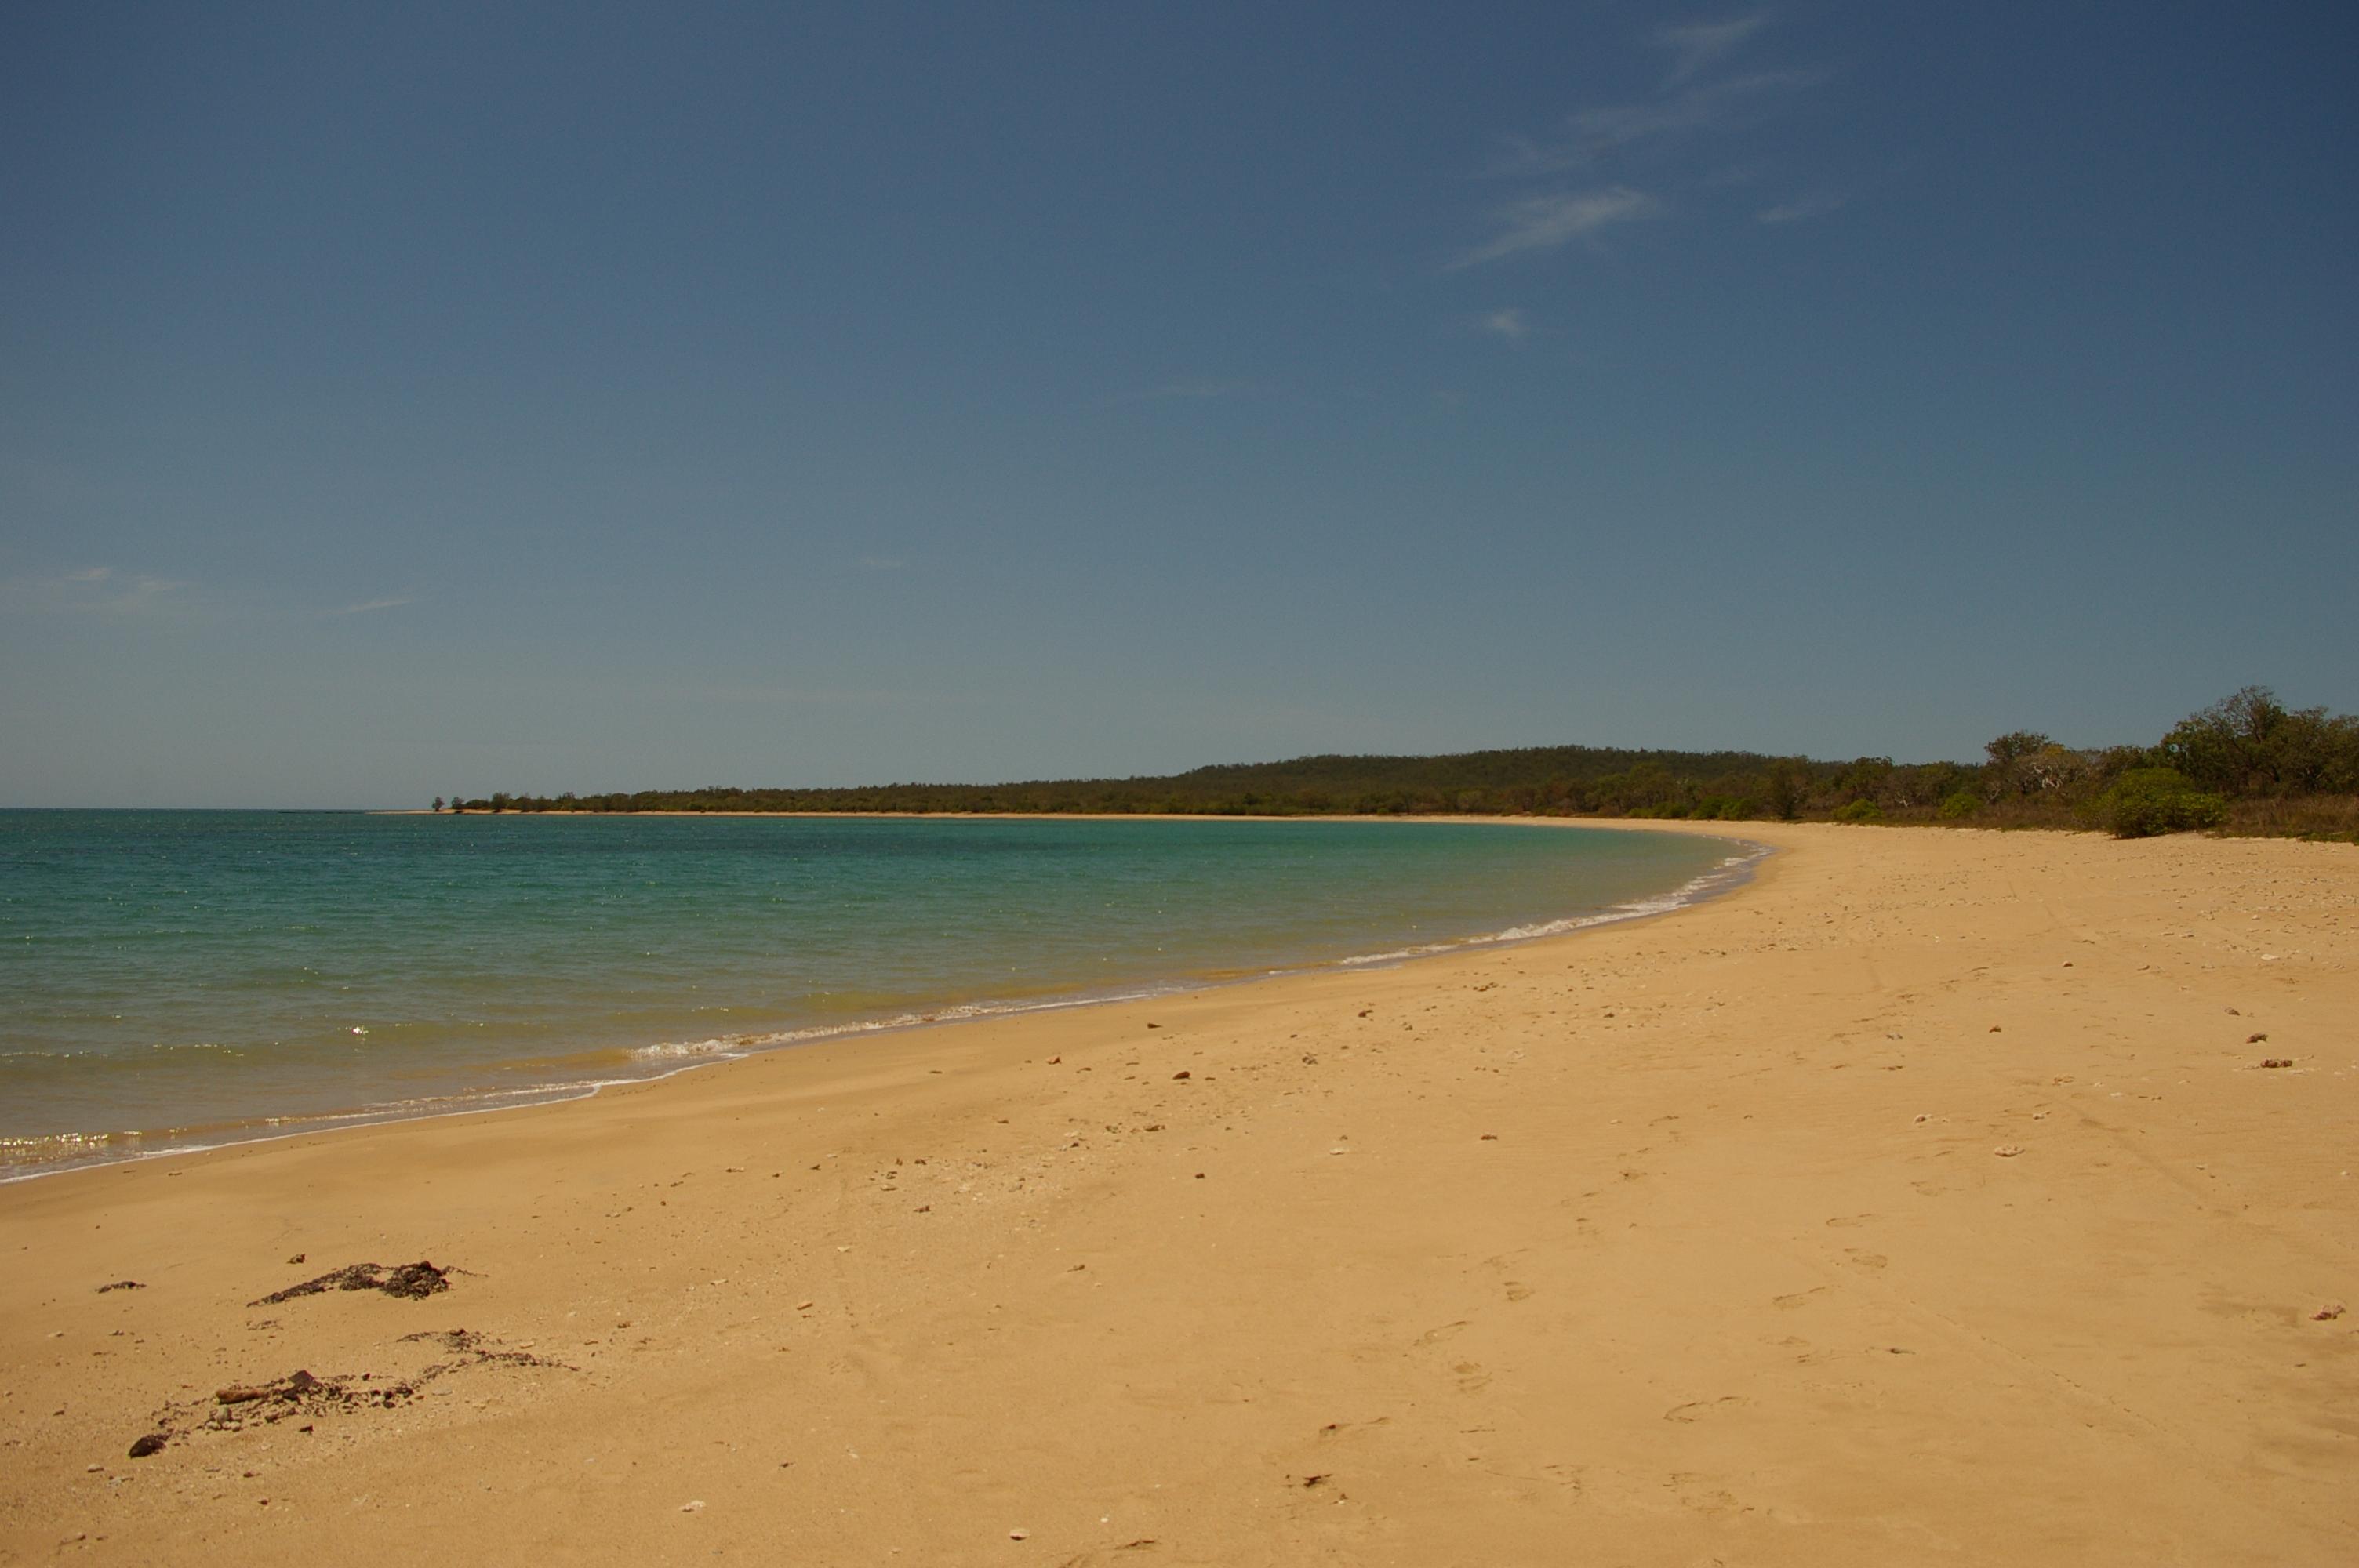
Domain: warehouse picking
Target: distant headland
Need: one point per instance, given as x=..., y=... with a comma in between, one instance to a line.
x=2247, y=764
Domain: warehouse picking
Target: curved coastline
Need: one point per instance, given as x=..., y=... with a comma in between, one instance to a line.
x=1557, y=1246
x=665, y=1059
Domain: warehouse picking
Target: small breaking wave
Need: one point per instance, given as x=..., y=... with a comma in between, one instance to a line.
x=735, y=1045
x=587, y=1072
x=1726, y=875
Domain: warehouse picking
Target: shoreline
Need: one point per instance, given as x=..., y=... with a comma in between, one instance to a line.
x=1729, y=877
x=1930, y=1196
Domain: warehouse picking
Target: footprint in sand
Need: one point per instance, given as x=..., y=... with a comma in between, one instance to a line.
x=1472, y=1379
x=1846, y=1221
x=1568, y=1476
x=1866, y=1259
x=1696, y=1492
x=1799, y=1298
x=1696, y=1410
x=1517, y=1290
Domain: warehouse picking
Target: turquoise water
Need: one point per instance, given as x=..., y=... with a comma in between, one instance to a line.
x=174, y=978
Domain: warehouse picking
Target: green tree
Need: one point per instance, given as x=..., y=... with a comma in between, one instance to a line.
x=2226, y=746
x=2010, y=756
x=2144, y=802
x=1867, y=779
x=2250, y=743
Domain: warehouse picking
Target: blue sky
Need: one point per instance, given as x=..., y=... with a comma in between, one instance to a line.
x=402, y=400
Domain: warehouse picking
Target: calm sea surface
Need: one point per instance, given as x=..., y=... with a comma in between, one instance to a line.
x=176, y=978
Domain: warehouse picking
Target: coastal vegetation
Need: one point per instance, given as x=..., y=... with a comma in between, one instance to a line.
x=2246, y=764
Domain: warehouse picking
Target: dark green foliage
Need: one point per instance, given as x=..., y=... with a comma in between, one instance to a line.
x=2252, y=744
x=2247, y=749
x=2144, y=802
x=1547, y=780
x=2010, y=755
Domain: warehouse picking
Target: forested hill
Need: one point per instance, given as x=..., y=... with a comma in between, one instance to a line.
x=1532, y=778
x=2246, y=761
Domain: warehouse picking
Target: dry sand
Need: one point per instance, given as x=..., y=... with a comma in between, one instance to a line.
x=1925, y=1199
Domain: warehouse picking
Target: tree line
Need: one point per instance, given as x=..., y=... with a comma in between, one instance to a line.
x=2246, y=764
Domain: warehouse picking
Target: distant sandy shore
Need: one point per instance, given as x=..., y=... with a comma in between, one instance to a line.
x=1929, y=1199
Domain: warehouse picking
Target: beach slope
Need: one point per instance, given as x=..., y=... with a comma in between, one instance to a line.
x=1933, y=1196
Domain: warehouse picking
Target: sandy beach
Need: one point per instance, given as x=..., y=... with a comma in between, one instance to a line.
x=1930, y=1198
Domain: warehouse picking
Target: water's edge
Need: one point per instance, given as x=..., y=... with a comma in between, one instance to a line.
x=661, y=1062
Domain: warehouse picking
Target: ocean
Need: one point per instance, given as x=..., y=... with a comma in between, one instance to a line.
x=175, y=980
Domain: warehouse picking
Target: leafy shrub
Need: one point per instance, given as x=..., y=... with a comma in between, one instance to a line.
x=2144, y=802
x=1860, y=811
x=1961, y=805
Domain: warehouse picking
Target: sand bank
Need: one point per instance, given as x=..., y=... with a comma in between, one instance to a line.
x=1926, y=1199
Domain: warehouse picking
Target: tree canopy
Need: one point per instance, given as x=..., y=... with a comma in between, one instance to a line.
x=2272, y=768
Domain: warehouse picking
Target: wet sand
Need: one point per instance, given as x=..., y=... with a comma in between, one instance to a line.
x=1928, y=1197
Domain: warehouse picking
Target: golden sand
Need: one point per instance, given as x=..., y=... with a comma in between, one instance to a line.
x=1927, y=1199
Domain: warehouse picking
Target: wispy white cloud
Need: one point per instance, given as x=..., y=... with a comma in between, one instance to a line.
x=1528, y=158
x=141, y=595
x=1700, y=45
x=93, y=590
x=1715, y=106
x=369, y=606
x=1511, y=324
x=1190, y=391
x=780, y=695
x=1662, y=133
x=884, y=563
x=1594, y=135
x=1546, y=222
x=1816, y=204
